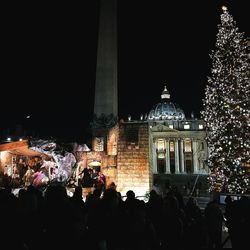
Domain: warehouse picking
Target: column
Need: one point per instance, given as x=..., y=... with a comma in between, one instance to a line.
x=167, y=158
x=182, y=167
x=176, y=156
x=154, y=157
x=195, y=156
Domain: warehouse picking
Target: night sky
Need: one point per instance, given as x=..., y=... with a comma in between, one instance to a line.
x=48, y=56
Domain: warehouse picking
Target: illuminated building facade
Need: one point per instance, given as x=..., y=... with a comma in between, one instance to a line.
x=177, y=144
x=162, y=145
x=136, y=153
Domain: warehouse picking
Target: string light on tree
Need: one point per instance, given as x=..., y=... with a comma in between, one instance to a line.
x=226, y=110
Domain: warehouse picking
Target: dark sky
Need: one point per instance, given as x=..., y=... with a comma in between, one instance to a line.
x=48, y=55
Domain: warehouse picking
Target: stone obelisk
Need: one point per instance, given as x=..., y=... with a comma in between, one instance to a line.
x=106, y=98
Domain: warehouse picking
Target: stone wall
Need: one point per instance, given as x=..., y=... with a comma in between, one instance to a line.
x=133, y=172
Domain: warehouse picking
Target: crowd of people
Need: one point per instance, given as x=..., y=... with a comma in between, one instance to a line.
x=104, y=221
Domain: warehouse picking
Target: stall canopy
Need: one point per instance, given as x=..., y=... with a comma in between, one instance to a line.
x=19, y=148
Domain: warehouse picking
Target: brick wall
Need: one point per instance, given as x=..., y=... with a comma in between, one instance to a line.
x=133, y=172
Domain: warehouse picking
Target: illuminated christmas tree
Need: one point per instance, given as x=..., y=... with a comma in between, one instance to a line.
x=227, y=110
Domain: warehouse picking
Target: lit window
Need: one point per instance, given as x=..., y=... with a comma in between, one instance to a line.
x=200, y=126
x=186, y=126
x=171, y=126
x=171, y=146
x=188, y=145
x=99, y=144
x=161, y=145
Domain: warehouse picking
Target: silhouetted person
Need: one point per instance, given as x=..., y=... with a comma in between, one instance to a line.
x=112, y=185
x=77, y=199
x=61, y=220
x=173, y=223
x=87, y=180
x=154, y=210
x=193, y=232
x=101, y=181
x=214, y=220
x=240, y=222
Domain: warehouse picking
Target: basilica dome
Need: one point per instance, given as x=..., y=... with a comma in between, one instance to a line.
x=166, y=109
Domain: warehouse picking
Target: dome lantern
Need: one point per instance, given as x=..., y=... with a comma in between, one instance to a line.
x=165, y=94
